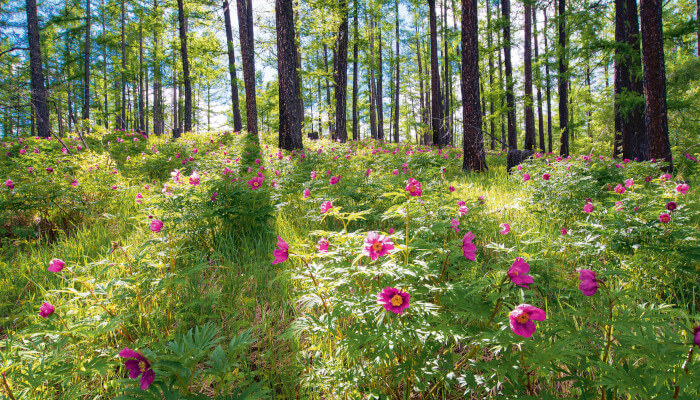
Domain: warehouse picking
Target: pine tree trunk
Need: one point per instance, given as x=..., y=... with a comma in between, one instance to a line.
x=490, y=52
x=563, y=82
x=448, y=80
x=86, y=82
x=510, y=96
x=500, y=87
x=340, y=76
x=355, y=84
x=372, y=86
x=530, y=138
x=548, y=87
x=290, y=122
x=473, y=144
x=105, y=104
x=398, y=72
x=123, y=71
x=237, y=124
x=331, y=130
x=157, y=80
x=426, y=137
x=437, y=106
x=185, y=65
x=538, y=76
x=245, y=31
x=142, y=124
x=656, y=117
x=38, y=94
x=380, y=87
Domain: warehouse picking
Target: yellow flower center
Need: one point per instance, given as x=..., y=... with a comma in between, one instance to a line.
x=256, y=184
x=397, y=300
x=411, y=188
x=377, y=246
x=142, y=366
x=523, y=318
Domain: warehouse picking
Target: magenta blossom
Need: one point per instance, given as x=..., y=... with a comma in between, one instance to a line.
x=665, y=218
x=455, y=224
x=589, y=284
x=323, y=244
x=545, y=176
x=588, y=208
x=505, y=228
x=334, y=179
x=518, y=273
x=156, y=225
x=469, y=248
x=56, y=265
x=376, y=245
x=619, y=189
x=281, y=253
x=526, y=177
x=671, y=205
x=306, y=193
x=137, y=365
x=451, y=188
x=46, y=310
x=564, y=231
x=313, y=175
x=414, y=187
x=682, y=188
x=520, y=319
x=195, y=179
x=629, y=183
x=256, y=182
x=369, y=171
x=696, y=333
x=327, y=205
x=10, y=184
x=394, y=300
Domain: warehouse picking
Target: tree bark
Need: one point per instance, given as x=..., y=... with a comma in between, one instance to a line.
x=656, y=117
x=372, y=86
x=530, y=138
x=629, y=89
x=142, y=124
x=105, y=112
x=157, y=79
x=185, y=65
x=538, y=78
x=548, y=86
x=355, y=84
x=398, y=72
x=123, y=124
x=380, y=86
x=86, y=81
x=473, y=144
x=340, y=75
x=290, y=121
x=425, y=135
x=563, y=82
x=237, y=124
x=510, y=96
x=38, y=94
x=245, y=32
x=331, y=130
x=437, y=106
x=490, y=53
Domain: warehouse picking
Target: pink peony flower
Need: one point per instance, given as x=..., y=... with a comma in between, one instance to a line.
x=256, y=182
x=469, y=248
x=463, y=210
x=505, y=228
x=334, y=179
x=327, y=205
x=619, y=189
x=520, y=319
x=629, y=183
x=696, y=334
x=306, y=193
x=455, y=223
x=395, y=172
x=414, y=187
x=394, y=300
x=588, y=208
x=589, y=284
x=156, y=225
x=376, y=245
x=451, y=188
x=46, y=310
x=671, y=205
x=281, y=253
x=369, y=171
x=665, y=177
x=526, y=177
x=313, y=175
x=137, y=365
x=564, y=231
x=195, y=179
x=10, y=185
x=545, y=176
x=323, y=244
x=56, y=265
x=518, y=273
x=665, y=218
x=139, y=198
x=682, y=188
